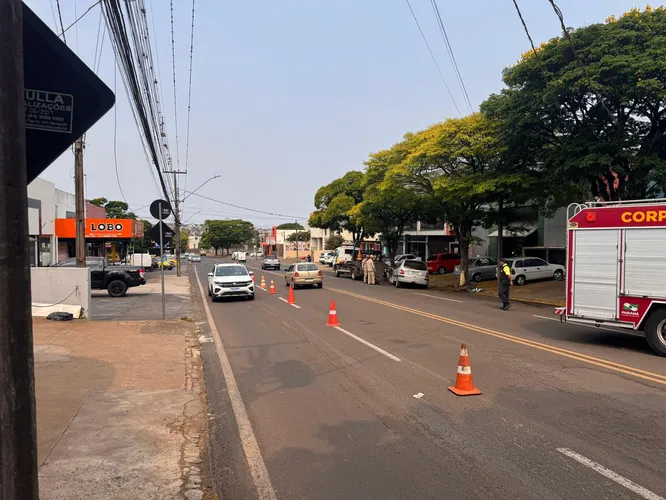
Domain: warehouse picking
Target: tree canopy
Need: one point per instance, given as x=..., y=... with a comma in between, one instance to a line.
x=228, y=233
x=114, y=209
x=299, y=236
x=290, y=225
x=595, y=113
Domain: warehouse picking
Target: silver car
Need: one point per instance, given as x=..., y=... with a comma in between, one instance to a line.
x=480, y=268
x=270, y=262
x=408, y=271
x=532, y=268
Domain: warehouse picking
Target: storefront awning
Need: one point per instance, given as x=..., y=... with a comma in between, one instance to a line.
x=101, y=228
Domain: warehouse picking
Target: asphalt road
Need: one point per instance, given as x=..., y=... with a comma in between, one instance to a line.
x=567, y=412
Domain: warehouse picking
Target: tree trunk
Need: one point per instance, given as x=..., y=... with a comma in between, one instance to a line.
x=464, y=260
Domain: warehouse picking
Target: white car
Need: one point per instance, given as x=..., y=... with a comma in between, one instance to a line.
x=230, y=280
x=241, y=256
x=532, y=268
x=329, y=259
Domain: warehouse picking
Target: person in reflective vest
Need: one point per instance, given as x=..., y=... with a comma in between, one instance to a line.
x=505, y=282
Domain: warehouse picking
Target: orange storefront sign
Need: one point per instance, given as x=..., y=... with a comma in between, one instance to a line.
x=101, y=228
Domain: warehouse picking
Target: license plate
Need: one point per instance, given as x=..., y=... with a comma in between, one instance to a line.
x=308, y=280
x=235, y=289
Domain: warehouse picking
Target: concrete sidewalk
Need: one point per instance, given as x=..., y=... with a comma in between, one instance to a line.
x=120, y=410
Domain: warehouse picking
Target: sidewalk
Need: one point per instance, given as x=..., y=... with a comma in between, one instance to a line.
x=120, y=410
x=548, y=292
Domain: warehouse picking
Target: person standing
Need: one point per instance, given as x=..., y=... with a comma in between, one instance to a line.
x=370, y=268
x=364, y=267
x=505, y=283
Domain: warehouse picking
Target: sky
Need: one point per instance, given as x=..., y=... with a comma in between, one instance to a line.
x=288, y=96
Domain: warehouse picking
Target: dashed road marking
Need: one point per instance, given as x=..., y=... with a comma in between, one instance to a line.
x=287, y=302
x=369, y=344
x=613, y=476
x=592, y=360
x=435, y=297
x=255, y=461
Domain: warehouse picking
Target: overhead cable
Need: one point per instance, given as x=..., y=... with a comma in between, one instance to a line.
x=434, y=60
x=246, y=208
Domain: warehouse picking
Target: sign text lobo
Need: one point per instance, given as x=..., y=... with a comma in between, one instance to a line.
x=50, y=111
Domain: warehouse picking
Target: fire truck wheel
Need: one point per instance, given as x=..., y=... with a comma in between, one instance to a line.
x=655, y=331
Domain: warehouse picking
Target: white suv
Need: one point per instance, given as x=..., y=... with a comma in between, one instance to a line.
x=230, y=280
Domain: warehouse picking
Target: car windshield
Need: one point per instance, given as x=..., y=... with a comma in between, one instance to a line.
x=271, y=257
x=307, y=267
x=230, y=271
x=415, y=264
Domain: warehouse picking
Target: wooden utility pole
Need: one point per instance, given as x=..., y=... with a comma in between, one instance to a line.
x=18, y=438
x=80, y=204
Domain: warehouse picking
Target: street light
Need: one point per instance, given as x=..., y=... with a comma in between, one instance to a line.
x=197, y=189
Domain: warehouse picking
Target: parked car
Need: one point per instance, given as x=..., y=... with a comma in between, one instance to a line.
x=442, y=263
x=305, y=274
x=195, y=258
x=322, y=257
x=114, y=279
x=166, y=264
x=480, y=268
x=329, y=259
x=410, y=271
x=270, y=262
x=230, y=280
x=402, y=256
x=525, y=269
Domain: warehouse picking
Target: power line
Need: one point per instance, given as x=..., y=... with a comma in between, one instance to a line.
x=246, y=208
x=62, y=27
x=527, y=31
x=115, y=136
x=452, y=56
x=175, y=102
x=441, y=75
x=62, y=33
x=189, y=92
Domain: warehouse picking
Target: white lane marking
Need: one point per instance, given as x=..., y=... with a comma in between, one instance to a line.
x=435, y=297
x=262, y=482
x=260, y=288
x=626, y=331
x=287, y=302
x=623, y=481
x=370, y=345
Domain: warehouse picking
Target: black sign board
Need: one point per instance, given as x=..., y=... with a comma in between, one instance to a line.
x=155, y=209
x=167, y=233
x=63, y=97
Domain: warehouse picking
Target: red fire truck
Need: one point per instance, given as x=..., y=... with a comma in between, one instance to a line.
x=616, y=267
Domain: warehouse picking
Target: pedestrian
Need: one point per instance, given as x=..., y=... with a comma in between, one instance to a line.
x=364, y=268
x=505, y=283
x=309, y=258
x=370, y=266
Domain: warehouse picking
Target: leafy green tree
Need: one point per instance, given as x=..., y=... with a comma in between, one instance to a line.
x=335, y=204
x=334, y=241
x=227, y=233
x=299, y=236
x=291, y=226
x=184, y=236
x=592, y=112
x=114, y=209
x=458, y=167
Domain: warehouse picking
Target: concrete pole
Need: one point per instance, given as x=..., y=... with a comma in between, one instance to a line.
x=79, y=194
x=18, y=437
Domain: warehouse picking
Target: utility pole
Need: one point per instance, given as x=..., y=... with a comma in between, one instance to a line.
x=18, y=437
x=79, y=194
x=176, y=214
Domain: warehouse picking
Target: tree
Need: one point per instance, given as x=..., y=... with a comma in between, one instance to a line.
x=227, y=233
x=335, y=204
x=114, y=209
x=291, y=226
x=457, y=165
x=592, y=112
x=389, y=205
x=299, y=236
x=334, y=241
x=184, y=237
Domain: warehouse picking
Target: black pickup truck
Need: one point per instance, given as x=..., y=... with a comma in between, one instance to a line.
x=114, y=279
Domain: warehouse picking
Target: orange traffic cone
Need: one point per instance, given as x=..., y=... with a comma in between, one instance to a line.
x=333, y=316
x=464, y=383
x=253, y=280
x=263, y=282
x=290, y=298
x=272, y=290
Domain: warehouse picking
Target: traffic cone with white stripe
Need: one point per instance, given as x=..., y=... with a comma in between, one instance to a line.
x=272, y=290
x=333, y=316
x=263, y=282
x=290, y=298
x=464, y=383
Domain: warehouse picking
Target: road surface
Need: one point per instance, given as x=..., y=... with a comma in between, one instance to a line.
x=306, y=411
